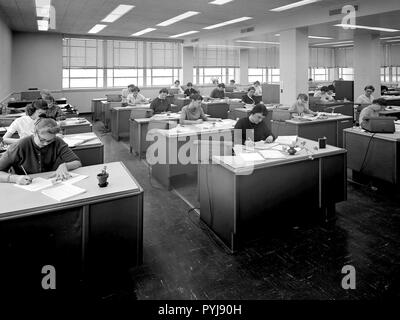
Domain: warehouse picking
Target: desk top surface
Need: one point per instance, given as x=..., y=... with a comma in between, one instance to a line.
x=384, y=136
x=70, y=122
x=309, y=151
x=310, y=120
x=120, y=182
x=139, y=106
x=216, y=101
x=90, y=140
x=202, y=128
x=333, y=103
x=392, y=97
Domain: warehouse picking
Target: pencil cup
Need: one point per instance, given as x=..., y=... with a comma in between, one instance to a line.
x=322, y=143
x=102, y=177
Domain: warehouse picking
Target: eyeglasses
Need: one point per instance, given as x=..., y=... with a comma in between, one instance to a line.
x=43, y=140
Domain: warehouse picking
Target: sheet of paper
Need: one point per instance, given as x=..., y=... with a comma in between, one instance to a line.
x=272, y=154
x=63, y=191
x=288, y=140
x=74, y=178
x=36, y=185
x=251, y=157
x=264, y=146
x=73, y=142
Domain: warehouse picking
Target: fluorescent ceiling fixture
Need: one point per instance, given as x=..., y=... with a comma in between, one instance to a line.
x=253, y=41
x=178, y=18
x=97, y=28
x=228, y=22
x=343, y=45
x=395, y=37
x=228, y=46
x=43, y=25
x=330, y=43
x=365, y=27
x=118, y=12
x=318, y=37
x=139, y=33
x=43, y=8
x=220, y=2
x=294, y=5
x=183, y=34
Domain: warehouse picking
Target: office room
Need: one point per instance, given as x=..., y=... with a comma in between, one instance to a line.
x=225, y=150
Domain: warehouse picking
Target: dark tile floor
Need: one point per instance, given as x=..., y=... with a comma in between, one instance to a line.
x=182, y=260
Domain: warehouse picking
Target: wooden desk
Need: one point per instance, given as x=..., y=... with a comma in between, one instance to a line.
x=90, y=152
x=392, y=111
x=95, y=236
x=138, y=129
x=235, y=94
x=331, y=128
x=392, y=93
x=7, y=119
x=373, y=155
x=216, y=109
x=392, y=100
x=75, y=125
x=238, y=200
x=345, y=108
x=69, y=113
x=172, y=140
x=96, y=108
x=120, y=120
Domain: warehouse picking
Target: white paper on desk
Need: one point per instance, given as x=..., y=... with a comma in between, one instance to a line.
x=63, y=191
x=75, y=177
x=36, y=184
x=272, y=154
x=264, y=146
x=288, y=140
x=251, y=157
x=73, y=142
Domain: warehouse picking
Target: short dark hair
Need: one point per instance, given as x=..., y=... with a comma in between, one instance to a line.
x=36, y=105
x=195, y=96
x=331, y=87
x=221, y=85
x=303, y=96
x=136, y=89
x=189, y=84
x=369, y=87
x=256, y=82
x=232, y=81
x=131, y=86
x=380, y=101
x=259, y=108
x=177, y=81
x=251, y=88
x=163, y=90
x=50, y=125
x=324, y=88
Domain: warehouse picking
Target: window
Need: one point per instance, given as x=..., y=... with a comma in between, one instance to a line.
x=273, y=75
x=319, y=74
x=82, y=63
x=346, y=73
x=143, y=63
x=395, y=74
x=257, y=74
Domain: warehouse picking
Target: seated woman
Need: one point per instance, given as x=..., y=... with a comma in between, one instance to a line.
x=161, y=104
x=249, y=97
x=193, y=112
x=301, y=106
x=134, y=97
x=256, y=124
x=189, y=90
x=53, y=111
x=177, y=85
x=372, y=111
x=25, y=125
x=366, y=97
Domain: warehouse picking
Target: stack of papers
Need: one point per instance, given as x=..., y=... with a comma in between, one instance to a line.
x=251, y=157
x=272, y=154
x=287, y=140
x=63, y=191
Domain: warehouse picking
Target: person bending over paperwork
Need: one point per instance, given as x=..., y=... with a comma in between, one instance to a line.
x=41, y=152
x=255, y=123
x=193, y=113
x=372, y=111
x=301, y=106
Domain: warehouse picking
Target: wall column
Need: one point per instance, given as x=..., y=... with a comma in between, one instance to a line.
x=187, y=65
x=293, y=62
x=367, y=62
x=244, y=66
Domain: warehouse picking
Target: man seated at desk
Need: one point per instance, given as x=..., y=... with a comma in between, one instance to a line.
x=189, y=90
x=161, y=104
x=249, y=97
x=218, y=92
x=255, y=122
x=193, y=113
x=41, y=152
x=372, y=110
x=134, y=97
x=366, y=97
x=301, y=106
x=25, y=125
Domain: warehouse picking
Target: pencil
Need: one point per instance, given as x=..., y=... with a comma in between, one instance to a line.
x=25, y=172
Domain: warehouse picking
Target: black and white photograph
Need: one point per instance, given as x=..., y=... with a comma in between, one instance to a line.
x=199, y=158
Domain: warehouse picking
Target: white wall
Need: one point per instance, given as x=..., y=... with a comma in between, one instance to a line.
x=37, y=61
x=5, y=60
